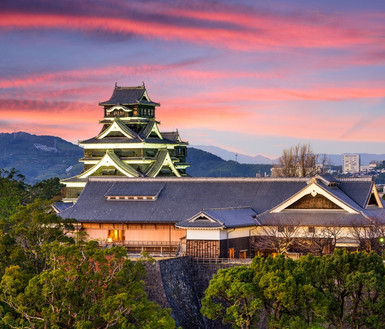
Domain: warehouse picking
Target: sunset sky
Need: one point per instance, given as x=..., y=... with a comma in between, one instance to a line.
x=253, y=77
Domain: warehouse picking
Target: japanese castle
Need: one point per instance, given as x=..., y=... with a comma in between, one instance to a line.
x=129, y=143
x=133, y=192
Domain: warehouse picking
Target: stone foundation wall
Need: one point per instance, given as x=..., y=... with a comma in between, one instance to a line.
x=179, y=284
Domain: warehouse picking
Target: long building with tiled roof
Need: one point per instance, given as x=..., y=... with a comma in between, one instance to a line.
x=129, y=143
x=227, y=217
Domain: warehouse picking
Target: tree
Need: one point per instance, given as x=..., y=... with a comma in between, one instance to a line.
x=280, y=238
x=288, y=298
x=322, y=240
x=32, y=228
x=233, y=297
x=353, y=284
x=13, y=193
x=83, y=287
x=48, y=189
x=342, y=290
x=369, y=236
x=298, y=161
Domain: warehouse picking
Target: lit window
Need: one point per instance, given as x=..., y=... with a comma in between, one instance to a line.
x=115, y=235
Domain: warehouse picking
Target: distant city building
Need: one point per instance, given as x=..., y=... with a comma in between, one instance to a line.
x=351, y=163
x=365, y=169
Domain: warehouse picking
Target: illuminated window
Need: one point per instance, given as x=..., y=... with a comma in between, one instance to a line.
x=115, y=235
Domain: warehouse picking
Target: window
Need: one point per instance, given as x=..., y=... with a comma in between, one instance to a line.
x=311, y=229
x=281, y=229
x=115, y=235
x=231, y=253
x=242, y=253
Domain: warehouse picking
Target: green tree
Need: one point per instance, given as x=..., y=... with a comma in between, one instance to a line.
x=233, y=297
x=32, y=228
x=48, y=189
x=353, y=284
x=289, y=299
x=342, y=290
x=13, y=193
x=84, y=287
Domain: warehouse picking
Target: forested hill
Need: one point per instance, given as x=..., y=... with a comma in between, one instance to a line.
x=39, y=157
x=43, y=157
x=205, y=164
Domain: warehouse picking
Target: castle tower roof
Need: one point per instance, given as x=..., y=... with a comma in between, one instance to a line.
x=129, y=96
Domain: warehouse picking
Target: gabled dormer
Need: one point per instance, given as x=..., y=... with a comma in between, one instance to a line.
x=110, y=164
x=374, y=200
x=151, y=130
x=118, y=129
x=316, y=197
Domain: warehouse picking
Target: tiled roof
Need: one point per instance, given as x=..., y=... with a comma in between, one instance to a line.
x=357, y=190
x=147, y=129
x=119, y=189
x=181, y=199
x=335, y=191
x=227, y=218
x=171, y=135
x=124, y=140
x=61, y=206
x=127, y=96
x=312, y=218
x=156, y=166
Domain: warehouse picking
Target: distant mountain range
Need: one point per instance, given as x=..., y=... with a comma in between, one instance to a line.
x=42, y=157
x=227, y=155
x=334, y=159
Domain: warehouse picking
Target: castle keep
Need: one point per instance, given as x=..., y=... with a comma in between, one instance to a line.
x=129, y=143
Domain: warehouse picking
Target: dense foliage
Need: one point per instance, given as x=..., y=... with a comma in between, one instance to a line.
x=342, y=290
x=51, y=277
x=14, y=192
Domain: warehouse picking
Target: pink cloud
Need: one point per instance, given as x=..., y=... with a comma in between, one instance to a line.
x=287, y=94
x=244, y=31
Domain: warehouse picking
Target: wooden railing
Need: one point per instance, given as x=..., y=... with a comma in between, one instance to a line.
x=142, y=243
x=171, y=248
x=221, y=260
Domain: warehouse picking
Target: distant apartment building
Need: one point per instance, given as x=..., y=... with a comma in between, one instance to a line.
x=350, y=163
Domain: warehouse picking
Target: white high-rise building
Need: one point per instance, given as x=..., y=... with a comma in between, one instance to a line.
x=350, y=163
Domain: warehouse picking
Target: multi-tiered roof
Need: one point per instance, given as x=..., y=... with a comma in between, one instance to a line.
x=130, y=143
